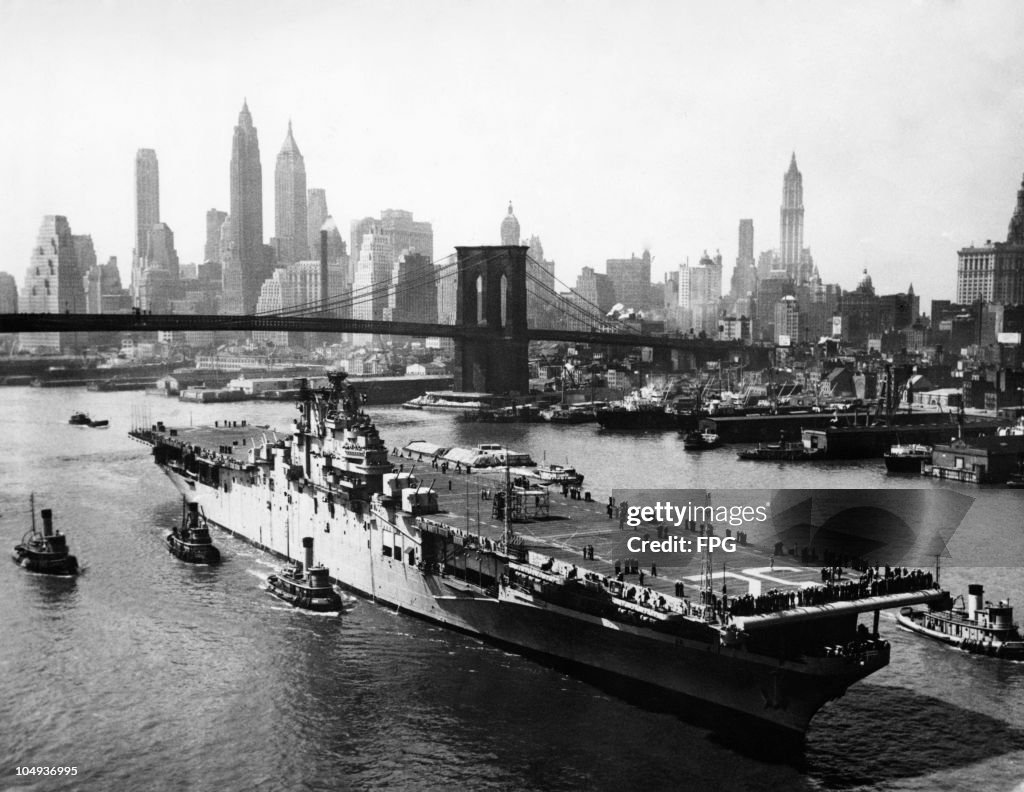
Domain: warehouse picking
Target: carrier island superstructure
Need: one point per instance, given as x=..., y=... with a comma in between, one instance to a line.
x=382, y=533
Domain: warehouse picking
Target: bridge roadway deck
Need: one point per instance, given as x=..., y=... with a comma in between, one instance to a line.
x=319, y=323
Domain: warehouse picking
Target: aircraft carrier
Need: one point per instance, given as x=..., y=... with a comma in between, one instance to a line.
x=529, y=568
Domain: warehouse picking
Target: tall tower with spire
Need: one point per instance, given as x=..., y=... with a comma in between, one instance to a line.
x=1015, y=236
x=147, y=197
x=791, y=223
x=246, y=215
x=510, y=228
x=290, y=211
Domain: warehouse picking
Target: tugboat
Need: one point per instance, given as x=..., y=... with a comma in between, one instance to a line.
x=978, y=628
x=45, y=552
x=310, y=591
x=558, y=474
x=83, y=419
x=907, y=458
x=699, y=441
x=191, y=541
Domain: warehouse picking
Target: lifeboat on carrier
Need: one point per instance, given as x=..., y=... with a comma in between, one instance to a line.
x=45, y=552
x=310, y=590
x=191, y=541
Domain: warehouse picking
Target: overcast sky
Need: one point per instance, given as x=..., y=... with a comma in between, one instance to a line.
x=612, y=126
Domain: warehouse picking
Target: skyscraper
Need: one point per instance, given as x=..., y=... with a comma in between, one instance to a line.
x=373, y=273
x=995, y=272
x=246, y=215
x=231, y=271
x=412, y=295
x=791, y=218
x=8, y=293
x=540, y=284
x=793, y=257
x=53, y=282
x=744, y=276
x=631, y=279
x=290, y=216
x=510, y=228
x=297, y=284
x=214, y=220
x=147, y=197
x=316, y=216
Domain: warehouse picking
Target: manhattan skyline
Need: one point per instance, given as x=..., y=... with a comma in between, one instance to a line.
x=611, y=128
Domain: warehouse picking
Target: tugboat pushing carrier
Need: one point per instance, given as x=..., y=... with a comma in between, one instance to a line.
x=310, y=591
x=978, y=627
x=191, y=541
x=45, y=552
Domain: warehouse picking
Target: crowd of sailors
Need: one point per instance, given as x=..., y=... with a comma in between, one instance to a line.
x=874, y=582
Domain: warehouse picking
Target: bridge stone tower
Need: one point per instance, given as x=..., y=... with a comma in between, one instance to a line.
x=491, y=300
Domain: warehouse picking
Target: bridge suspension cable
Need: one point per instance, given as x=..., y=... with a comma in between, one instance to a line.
x=597, y=312
x=362, y=295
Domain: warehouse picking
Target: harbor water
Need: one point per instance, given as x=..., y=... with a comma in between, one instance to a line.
x=147, y=673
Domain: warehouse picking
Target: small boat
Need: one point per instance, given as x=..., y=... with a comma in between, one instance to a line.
x=191, y=540
x=310, y=591
x=907, y=458
x=699, y=441
x=558, y=474
x=978, y=627
x=83, y=419
x=562, y=414
x=777, y=452
x=45, y=552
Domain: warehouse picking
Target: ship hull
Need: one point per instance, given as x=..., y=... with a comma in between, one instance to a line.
x=782, y=695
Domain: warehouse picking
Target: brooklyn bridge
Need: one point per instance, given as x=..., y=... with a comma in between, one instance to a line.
x=500, y=306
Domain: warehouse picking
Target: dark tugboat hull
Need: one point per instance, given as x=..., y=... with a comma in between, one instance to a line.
x=65, y=566
x=906, y=463
x=319, y=599
x=191, y=553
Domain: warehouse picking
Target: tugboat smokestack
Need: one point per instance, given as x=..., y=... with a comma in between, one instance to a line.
x=193, y=515
x=975, y=599
x=307, y=543
x=47, y=522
